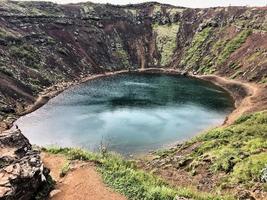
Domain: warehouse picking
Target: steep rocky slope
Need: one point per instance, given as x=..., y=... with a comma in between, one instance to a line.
x=44, y=43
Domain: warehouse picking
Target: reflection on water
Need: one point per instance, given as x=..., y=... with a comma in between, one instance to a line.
x=132, y=113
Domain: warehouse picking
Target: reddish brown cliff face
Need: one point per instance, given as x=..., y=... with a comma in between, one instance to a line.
x=44, y=43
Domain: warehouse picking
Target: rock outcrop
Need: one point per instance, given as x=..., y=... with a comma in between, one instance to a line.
x=21, y=170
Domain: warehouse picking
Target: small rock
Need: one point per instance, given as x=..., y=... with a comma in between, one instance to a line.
x=53, y=193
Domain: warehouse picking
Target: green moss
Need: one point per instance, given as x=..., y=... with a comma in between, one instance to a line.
x=6, y=71
x=238, y=72
x=193, y=55
x=62, y=51
x=156, y=9
x=65, y=169
x=263, y=80
x=234, y=66
x=134, y=12
x=254, y=145
x=31, y=8
x=249, y=169
x=120, y=53
x=174, y=11
x=27, y=54
x=233, y=45
x=240, y=150
x=123, y=56
x=4, y=33
x=87, y=9
x=166, y=41
x=135, y=184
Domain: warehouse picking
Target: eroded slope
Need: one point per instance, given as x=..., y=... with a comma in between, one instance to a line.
x=44, y=43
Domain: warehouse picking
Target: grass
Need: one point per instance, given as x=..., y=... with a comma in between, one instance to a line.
x=263, y=80
x=166, y=41
x=239, y=150
x=120, y=53
x=27, y=54
x=6, y=71
x=233, y=45
x=4, y=34
x=193, y=54
x=237, y=73
x=135, y=184
x=65, y=169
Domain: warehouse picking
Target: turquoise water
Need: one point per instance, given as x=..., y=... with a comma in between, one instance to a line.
x=129, y=113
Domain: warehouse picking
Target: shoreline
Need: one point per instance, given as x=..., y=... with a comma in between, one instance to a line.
x=242, y=93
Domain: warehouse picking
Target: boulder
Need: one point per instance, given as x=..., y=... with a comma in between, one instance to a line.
x=22, y=172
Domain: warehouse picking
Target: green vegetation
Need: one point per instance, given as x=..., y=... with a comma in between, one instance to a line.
x=6, y=71
x=263, y=80
x=31, y=8
x=123, y=56
x=124, y=177
x=233, y=45
x=134, y=12
x=239, y=149
x=156, y=9
x=120, y=52
x=65, y=169
x=87, y=8
x=166, y=40
x=238, y=72
x=4, y=33
x=173, y=11
x=193, y=55
x=219, y=51
x=234, y=66
x=235, y=154
x=28, y=54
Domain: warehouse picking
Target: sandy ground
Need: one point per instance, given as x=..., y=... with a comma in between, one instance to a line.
x=82, y=182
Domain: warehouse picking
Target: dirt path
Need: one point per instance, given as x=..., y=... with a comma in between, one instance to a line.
x=82, y=182
x=249, y=97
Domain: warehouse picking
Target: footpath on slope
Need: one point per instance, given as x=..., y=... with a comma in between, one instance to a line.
x=82, y=182
x=248, y=97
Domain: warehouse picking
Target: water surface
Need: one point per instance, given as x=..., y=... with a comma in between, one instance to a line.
x=129, y=113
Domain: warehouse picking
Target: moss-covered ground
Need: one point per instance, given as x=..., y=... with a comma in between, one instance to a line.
x=166, y=40
x=123, y=176
x=238, y=151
